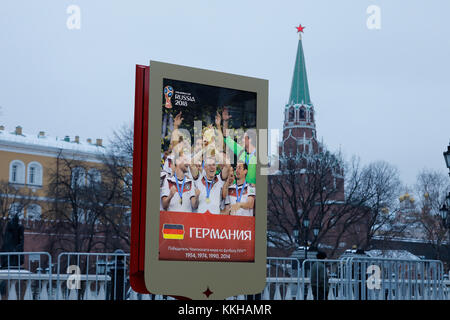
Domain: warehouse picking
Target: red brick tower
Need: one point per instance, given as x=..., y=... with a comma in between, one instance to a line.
x=299, y=127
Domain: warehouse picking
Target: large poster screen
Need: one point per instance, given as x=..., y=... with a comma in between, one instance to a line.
x=208, y=173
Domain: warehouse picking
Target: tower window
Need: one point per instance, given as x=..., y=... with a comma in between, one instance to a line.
x=302, y=113
x=291, y=114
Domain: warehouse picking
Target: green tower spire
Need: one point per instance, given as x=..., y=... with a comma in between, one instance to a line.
x=299, y=87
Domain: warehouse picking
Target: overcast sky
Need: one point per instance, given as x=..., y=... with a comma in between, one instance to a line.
x=378, y=94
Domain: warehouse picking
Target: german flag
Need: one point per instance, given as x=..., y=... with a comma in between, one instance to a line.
x=173, y=231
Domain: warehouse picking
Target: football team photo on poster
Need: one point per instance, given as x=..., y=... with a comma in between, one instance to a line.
x=208, y=173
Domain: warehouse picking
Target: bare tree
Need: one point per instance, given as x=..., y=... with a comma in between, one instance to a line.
x=382, y=186
x=348, y=202
x=84, y=201
x=348, y=220
x=122, y=142
x=118, y=162
x=431, y=189
x=311, y=186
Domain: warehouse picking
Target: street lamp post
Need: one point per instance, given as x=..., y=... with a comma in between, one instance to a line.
x=444, y=212
x=297, y=228
x=306, y=226
x=447, y=158
x=316, y=231
x=296, y=233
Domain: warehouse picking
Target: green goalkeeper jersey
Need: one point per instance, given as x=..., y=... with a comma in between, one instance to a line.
x=249, y=159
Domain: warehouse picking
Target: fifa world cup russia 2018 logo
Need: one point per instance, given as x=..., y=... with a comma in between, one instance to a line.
x=168, y=93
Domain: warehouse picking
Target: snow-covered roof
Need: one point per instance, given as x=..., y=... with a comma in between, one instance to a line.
x=392, y=254
x=381, y=254
x=48, y=143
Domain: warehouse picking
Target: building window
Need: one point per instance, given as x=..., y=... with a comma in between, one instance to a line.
x=17, y=172
x=94, y=177
x=32, y=175
x=90, y=217
x=16, y=209
x=35, y=173
x=79, y=215
x=78, y=177
x=14, y=173
x=34, y=212
x=86, y=216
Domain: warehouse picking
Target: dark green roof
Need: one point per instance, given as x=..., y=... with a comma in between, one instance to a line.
x=299, y=86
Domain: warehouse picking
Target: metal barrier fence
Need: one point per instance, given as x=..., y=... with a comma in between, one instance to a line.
x=90, y=276
x=395, y=279
x=104, y=276
x=322, y=280
x=23, y=275
x=365, y=278
x=282, y=279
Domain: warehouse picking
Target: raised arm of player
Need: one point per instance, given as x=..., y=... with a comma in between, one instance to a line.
x=175, y=137
x=194, y=171
x=194, y=199
x=226, y=169
x=228, y=182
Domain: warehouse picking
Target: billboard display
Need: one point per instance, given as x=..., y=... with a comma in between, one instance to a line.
x=207, y=178
x=205, y=217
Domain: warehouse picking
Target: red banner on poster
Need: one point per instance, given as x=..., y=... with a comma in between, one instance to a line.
x=188, y=236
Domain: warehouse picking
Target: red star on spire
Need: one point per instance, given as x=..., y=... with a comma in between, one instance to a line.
x=300, y=28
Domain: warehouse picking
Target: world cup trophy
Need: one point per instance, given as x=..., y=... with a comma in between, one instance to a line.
x=168, y=93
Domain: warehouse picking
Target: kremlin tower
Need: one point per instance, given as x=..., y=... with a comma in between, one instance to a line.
x=299, y=127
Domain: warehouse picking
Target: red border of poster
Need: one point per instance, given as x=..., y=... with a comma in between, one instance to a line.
x=139, y=190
